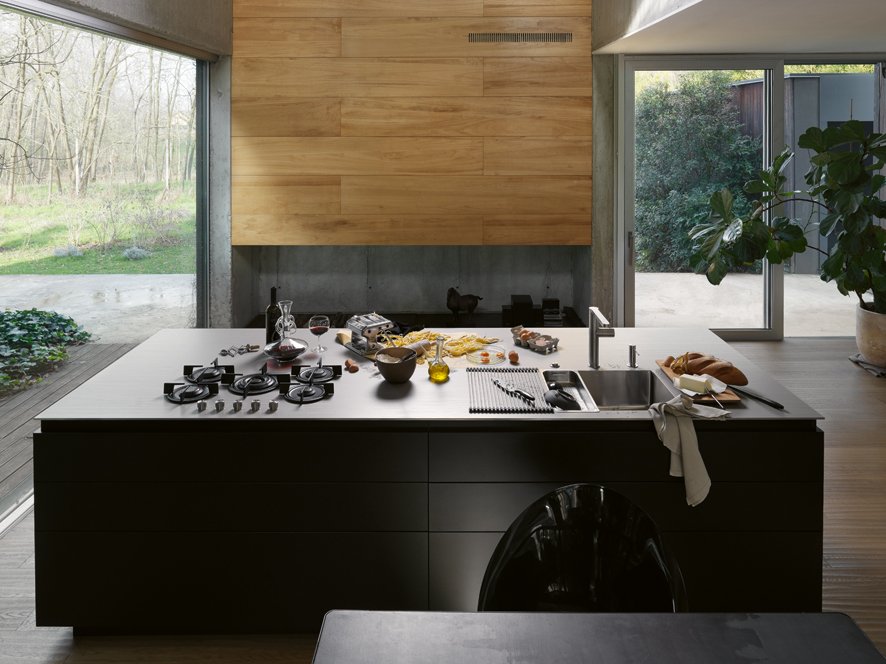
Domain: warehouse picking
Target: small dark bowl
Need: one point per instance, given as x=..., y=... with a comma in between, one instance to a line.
x=396, y=372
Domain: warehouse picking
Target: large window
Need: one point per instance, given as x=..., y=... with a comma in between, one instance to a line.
x=99, y=178
x=693, y=126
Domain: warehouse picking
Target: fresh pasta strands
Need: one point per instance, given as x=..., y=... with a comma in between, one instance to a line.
x=453, y=345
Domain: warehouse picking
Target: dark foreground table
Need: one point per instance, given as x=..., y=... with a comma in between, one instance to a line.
x=349, y=637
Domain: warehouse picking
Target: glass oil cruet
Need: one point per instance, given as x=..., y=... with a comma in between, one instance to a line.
x=438, y=370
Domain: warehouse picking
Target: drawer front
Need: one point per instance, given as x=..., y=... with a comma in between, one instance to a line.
x=746, y=456
x=750, y=572
x=216, y=582
x=456, y=566
x=231, y=507
x=730, y=506
x=151, y=457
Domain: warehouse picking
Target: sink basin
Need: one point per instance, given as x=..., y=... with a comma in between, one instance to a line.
x=625, y=389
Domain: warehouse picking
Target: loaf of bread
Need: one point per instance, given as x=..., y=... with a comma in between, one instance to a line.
x=699, y=363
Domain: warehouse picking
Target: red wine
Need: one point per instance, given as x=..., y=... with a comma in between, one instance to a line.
x=319, y=329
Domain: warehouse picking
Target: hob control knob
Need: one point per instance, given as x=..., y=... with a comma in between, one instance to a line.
x=272, y=406
x=219, y=405
x=255, y=406
x=201, y=406
x=238, y=405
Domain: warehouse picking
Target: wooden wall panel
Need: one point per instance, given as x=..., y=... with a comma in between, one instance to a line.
x=271, y=195
x=486, y=195
x=293, y=117
x=477, y=116
x=448, y=37
x=545, y=77
x=288, y=37
x=360, y=229
x=355, y=156
x=370, y=8
x=528, y=156
x=275, y=78
x=534, y=7
x=378, y=122
x=520, y=229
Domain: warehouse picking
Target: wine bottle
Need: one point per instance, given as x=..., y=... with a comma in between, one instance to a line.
x=272, y=315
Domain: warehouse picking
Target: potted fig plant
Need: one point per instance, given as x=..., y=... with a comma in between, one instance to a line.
x=844, y=180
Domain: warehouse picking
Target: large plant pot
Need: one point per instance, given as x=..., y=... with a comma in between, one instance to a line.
x=870, y=335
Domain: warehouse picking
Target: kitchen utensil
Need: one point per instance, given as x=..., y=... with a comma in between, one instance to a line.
x=758, y=397
x=561, y=399
x=515, y=392
x=713, y=396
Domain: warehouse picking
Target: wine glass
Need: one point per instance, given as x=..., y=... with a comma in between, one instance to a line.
x=319, y=325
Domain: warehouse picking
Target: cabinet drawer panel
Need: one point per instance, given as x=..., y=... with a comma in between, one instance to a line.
x=750, y=572
x=540, y=457
x=730, y=506
x=457, y=564
x=148, y=457
x=216, y=582
x=747, y=456
x=231, y=507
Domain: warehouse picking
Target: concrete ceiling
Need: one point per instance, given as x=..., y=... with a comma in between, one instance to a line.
x=763, y=26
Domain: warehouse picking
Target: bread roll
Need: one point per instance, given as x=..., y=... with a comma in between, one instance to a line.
x=727, y=372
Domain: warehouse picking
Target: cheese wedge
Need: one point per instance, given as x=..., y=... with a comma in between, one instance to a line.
x=693, y=383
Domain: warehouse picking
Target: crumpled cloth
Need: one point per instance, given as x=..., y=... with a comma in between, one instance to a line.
x=673, y=424
x=879, y=372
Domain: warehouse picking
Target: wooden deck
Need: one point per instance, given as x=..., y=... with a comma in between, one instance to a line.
x=17, y=413
x=817, y=370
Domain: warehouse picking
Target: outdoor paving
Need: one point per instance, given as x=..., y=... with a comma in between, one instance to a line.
x=128, y=308
x=115, y=308
x=813, y=308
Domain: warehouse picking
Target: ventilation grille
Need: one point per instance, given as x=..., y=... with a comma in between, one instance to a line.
x=537, y=37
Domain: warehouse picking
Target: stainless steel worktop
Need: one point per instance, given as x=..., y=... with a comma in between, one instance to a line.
x=131, y=388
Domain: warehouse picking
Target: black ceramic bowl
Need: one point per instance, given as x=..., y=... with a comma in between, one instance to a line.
x=396, y=365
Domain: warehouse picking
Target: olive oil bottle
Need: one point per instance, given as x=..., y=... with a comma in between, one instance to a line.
x=438, y=370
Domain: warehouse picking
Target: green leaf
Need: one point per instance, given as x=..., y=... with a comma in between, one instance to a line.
x=721, y=203
x=812, y=139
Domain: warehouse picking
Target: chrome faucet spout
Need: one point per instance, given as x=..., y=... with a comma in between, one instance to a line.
x=598, y=326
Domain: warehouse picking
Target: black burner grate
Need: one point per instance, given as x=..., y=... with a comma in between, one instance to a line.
x=301, y=394
x=187, y=393
x=258, y=383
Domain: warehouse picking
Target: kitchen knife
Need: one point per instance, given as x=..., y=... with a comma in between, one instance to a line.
x=758, y=397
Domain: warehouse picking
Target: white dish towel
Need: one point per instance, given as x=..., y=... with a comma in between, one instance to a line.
x=673, y=423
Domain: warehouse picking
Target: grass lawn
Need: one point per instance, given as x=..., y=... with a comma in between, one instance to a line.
x=35, y=236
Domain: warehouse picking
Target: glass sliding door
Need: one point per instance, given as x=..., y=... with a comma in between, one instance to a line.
x=693, y=127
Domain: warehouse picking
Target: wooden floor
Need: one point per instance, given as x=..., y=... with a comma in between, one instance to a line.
x=17, y=414
x=853, y=402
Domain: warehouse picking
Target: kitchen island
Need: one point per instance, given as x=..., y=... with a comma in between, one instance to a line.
x=159, y=517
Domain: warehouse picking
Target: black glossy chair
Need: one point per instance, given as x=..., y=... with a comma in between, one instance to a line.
x=583, y=547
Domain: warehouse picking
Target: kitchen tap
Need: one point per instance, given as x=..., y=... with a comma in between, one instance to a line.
x=598, y=327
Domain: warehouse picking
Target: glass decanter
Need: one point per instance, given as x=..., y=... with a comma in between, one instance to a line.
x=285, y=326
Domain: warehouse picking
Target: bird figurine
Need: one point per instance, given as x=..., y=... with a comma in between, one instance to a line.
x=457, y=303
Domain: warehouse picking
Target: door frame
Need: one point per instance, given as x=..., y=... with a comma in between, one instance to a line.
x=773, y=275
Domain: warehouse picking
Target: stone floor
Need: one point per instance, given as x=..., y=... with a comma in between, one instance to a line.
x=813, y=308
x=116, y=308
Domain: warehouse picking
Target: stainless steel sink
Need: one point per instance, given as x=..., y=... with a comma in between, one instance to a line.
x=625, y=389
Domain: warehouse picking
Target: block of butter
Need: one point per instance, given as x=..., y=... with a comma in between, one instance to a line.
x=693, y=383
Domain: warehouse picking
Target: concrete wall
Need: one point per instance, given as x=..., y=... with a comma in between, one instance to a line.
x=201, y=24
x=405, y=279
x=613, y=19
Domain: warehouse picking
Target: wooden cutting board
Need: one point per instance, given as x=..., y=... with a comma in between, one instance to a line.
x=725, y=397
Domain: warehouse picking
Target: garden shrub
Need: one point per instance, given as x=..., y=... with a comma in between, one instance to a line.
x=33, y=342
x=689, y=144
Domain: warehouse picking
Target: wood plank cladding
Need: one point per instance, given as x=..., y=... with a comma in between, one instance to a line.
x=356, y=156
x=368, y=8
x=376, y=122
x=448, y=37
x=466, y=116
